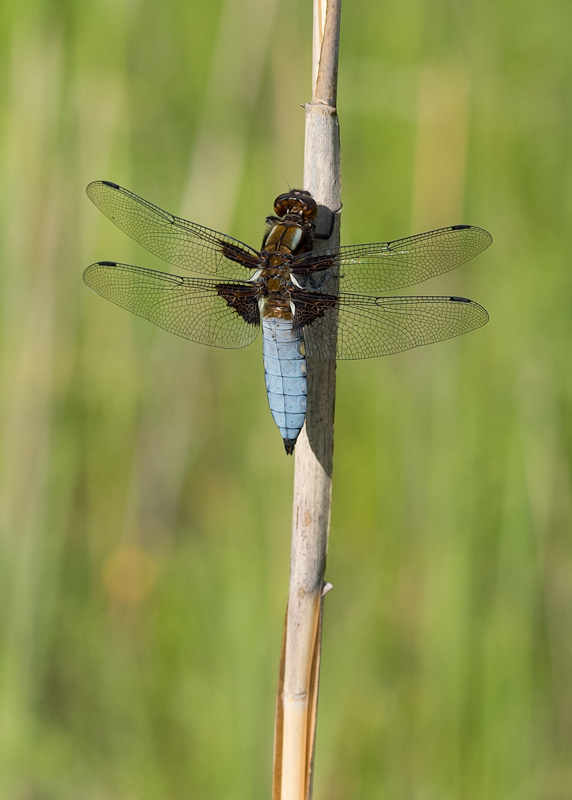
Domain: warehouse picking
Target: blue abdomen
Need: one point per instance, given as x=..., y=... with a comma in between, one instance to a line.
x=285, y=373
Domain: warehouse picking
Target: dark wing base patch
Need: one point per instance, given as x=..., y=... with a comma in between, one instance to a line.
x=312, y=306
x=241, y=299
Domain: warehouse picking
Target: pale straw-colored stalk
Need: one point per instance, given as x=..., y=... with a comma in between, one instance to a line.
x=296, y=706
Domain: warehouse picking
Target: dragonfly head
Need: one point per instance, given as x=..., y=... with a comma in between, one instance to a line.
x=298, y=203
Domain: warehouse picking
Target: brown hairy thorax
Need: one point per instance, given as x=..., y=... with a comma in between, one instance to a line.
x=292, y=231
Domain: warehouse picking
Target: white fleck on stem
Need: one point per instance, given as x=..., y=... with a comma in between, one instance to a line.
x=296, y=706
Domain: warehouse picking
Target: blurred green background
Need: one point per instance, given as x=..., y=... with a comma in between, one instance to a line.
x=145, y=494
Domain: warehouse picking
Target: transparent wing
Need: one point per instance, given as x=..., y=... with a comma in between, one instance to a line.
x=204, y=311
x=173, y=239
x=358, y=326
x=393, y=265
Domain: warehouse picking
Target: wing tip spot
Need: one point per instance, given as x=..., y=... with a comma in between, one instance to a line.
x=113, y=185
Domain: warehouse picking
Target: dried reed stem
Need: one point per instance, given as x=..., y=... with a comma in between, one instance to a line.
x=299, y=673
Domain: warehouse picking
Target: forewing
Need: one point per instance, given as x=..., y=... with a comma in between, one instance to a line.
x=405, y=262
x=204, y=311
x=358, y=326
x=173, y=239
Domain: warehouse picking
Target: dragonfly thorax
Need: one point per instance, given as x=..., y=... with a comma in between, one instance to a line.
x=275, y=287
x=293, y=230
x=275, y=284
x=284, y=238
x=275, y=280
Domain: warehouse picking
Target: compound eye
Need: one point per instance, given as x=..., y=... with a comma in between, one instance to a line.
x=310, y=207
x=297, y=201
x=283, y=203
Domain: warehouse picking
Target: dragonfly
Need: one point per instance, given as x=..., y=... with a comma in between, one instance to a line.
x=306, y=299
